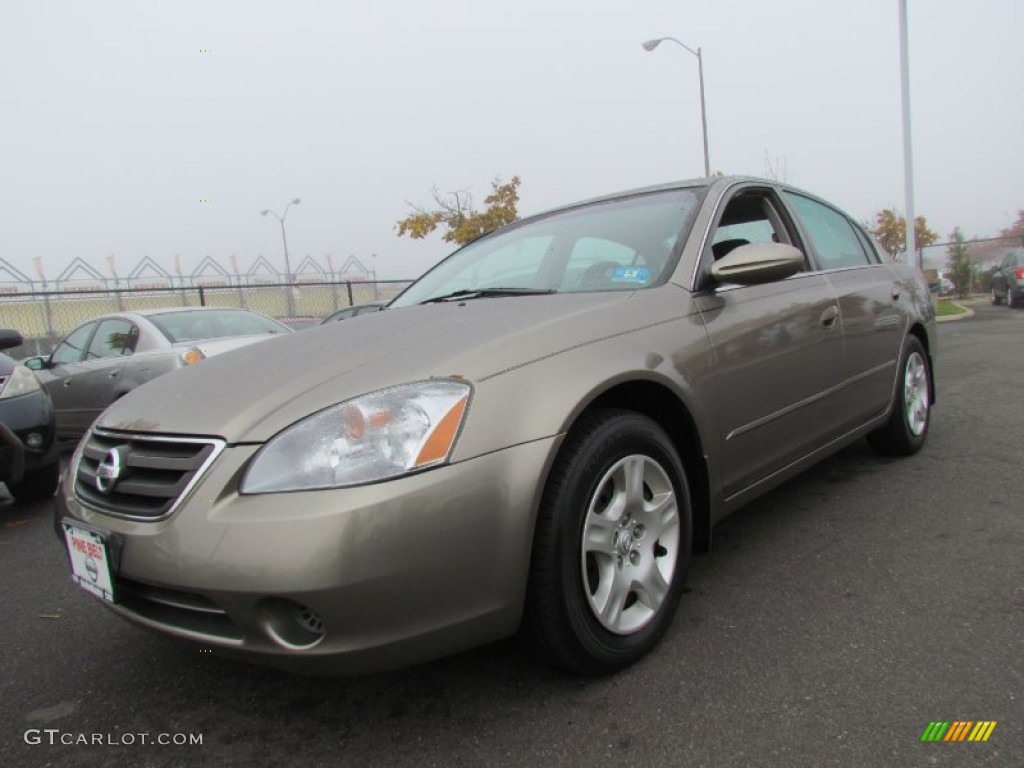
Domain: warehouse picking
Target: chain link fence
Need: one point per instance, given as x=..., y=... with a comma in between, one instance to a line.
x=45, y=317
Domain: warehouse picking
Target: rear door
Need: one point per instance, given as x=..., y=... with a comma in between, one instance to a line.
x=99, y=381
x=871, y=305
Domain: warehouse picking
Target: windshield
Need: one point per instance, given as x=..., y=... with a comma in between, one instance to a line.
x=213, y=324
x=619, y=245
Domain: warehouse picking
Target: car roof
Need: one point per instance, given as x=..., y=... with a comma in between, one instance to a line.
x=146, y=313
x=699, y=183
x=165, y=310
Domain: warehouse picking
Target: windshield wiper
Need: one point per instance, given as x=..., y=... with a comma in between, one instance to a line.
x=484, y=293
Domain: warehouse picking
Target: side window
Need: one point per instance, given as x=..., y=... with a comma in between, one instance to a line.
x=72, y=348
x=868, y=245
x=831, y=233
x=748, y=218
x=114, y=338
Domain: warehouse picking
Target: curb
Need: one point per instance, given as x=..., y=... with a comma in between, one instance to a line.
x=966, y=314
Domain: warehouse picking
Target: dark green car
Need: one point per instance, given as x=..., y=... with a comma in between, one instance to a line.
x=1008, y=280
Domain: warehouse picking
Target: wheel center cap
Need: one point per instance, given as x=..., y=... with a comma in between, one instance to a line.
x=625, y=542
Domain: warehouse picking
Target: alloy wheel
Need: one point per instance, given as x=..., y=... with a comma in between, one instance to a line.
x=630, y=544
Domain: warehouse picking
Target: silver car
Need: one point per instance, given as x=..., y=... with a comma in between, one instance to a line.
x=109, y=356
x=533, y=438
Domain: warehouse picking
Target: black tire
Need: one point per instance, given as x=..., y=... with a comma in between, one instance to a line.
x=996, y=300
x=38, y=484
x=907, y=428
x=561, y=622
x=1010, y=303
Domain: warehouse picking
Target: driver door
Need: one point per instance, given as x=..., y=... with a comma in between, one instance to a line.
x=777, y=347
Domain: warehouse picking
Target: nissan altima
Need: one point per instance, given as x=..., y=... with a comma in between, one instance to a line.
x=532, y=439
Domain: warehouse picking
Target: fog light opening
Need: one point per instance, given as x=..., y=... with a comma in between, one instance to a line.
x=291, y=624
x=308, y=618
x=34, y=441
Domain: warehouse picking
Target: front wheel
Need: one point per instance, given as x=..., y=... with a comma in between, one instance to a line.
x=907, y=428
x=38, y=483
x=612, y=545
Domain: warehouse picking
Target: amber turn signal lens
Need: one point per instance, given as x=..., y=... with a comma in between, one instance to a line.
x=192, y=356
x=440, y=441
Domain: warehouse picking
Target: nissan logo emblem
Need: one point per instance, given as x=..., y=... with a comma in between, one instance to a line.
x=108, y=471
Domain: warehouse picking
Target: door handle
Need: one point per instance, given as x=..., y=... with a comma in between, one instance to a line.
x=67, y=382
x=829, y=317
x=113, y=374
x=895, y=293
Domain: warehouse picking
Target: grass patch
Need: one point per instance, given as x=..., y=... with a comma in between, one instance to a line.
x=946, y=308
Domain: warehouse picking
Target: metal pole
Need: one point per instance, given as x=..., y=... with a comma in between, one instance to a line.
x=287, y=261
x=287, y=269
x=650, y=45
x=908, y=158
x=703, y=113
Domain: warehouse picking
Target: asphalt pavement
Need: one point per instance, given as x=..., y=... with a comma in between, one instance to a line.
x=836, y=618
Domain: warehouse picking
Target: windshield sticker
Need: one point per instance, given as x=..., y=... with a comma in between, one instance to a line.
x=631, y=275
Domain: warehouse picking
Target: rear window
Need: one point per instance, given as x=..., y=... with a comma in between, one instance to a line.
x=213, y=324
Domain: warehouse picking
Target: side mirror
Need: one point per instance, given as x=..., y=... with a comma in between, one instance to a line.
x=10, y=338
x=758, y=263
x=36, y=363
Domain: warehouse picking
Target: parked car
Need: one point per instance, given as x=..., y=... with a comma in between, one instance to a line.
x=107, y=357
x=29, y=462
x=357, y=309
x=299, y=323
x=1008, y=280
x=533, y=437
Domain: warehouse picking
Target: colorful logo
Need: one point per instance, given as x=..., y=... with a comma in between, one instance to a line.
x=959, y=730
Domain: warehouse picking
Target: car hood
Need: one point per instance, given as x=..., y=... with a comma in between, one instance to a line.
x=250, y=394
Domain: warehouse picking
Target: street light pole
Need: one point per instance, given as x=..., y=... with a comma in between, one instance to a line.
x=908, y=157
x=650, y=45
x=287, y=261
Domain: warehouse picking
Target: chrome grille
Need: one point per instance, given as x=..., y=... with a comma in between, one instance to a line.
x=154, y=472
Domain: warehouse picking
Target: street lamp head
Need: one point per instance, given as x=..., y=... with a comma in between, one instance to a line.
x=264, y=212
x=650, y=45
x=296, y=201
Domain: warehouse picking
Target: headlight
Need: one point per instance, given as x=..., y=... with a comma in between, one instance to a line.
x=374, y=437
x=20, y=382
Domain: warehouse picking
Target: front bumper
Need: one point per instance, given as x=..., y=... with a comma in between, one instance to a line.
x=395, y=573
x=19, y=417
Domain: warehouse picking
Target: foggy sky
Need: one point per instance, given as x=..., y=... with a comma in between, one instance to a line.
x=117, y=123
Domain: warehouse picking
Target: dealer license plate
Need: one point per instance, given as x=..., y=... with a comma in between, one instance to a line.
x=90, y=564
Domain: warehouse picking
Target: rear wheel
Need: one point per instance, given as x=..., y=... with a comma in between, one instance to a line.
x=1009, y=297
x=907, y=428
x=38, y=483
x=612, y=545
x=996, y=298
